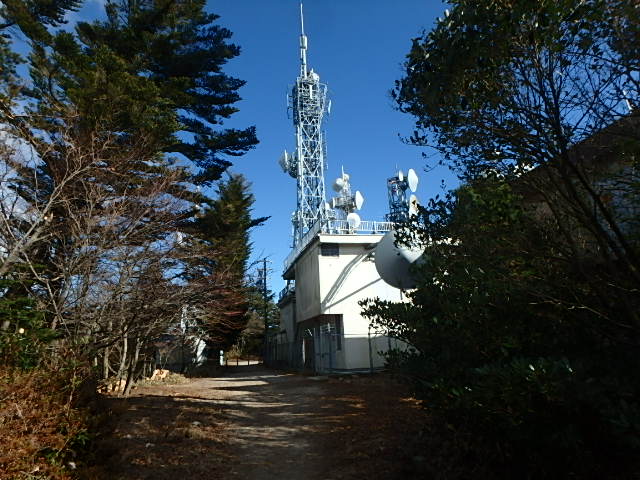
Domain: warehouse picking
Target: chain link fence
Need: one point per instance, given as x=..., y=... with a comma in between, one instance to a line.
x=323, y=350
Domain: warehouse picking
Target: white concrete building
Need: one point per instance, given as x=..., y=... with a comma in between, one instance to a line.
x=321, y=326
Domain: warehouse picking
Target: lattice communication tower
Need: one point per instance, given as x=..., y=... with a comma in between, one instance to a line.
x=401, y=205
x=308, y=103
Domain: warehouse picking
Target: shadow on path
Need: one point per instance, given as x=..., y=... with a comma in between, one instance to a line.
x=161, y=436
x=253, y=423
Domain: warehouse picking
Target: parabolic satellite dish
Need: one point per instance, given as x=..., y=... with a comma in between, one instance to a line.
x=412, y=180
x=338, y=185
x=359, y=200
x=393, y=262
x=353, y=219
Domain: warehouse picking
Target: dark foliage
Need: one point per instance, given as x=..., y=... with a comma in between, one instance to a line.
x=524, y=329
x=180, y=51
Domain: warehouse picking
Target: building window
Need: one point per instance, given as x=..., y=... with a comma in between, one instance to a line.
x=330, y=250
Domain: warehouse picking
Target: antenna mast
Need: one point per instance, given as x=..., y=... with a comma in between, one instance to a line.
x=303, y=46
x=308, y=102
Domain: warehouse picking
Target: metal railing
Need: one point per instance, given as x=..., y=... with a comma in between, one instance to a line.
x=335, y=227
x=290, y=289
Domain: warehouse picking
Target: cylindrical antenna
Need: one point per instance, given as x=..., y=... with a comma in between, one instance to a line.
x=303, y=45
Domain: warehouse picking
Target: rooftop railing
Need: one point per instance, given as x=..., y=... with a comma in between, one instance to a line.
x=335, y=227
x=290, y=289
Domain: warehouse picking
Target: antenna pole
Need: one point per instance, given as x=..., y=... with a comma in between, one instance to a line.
x=303, y=45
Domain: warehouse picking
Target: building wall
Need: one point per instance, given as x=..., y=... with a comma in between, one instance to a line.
x=329, y=283
x=350, y=277
x=288, y=319
x=345, y=280
x=363, y=351
x=307, y=284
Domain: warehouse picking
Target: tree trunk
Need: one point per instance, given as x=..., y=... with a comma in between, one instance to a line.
x=132, y=369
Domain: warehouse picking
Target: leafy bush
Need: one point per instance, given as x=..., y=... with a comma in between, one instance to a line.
x=512, y=348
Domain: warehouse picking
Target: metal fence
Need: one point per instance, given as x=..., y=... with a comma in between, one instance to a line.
x=323, y=350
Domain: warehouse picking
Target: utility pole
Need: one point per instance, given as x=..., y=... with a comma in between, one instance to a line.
x=262, y=278
x=262, y=281
x=264, y=296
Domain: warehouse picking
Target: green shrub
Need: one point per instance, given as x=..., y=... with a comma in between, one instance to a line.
x=24, y=334
x=516, y=351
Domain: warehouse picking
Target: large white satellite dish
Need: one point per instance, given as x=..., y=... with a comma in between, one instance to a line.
x=353, y=219
x=359, y=200
x=338, y=185
x=412, y=180
x=393, y=262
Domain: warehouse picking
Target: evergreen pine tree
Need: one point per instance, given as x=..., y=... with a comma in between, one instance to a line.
x=33, y=17
x=179, y=49
x=224, y=229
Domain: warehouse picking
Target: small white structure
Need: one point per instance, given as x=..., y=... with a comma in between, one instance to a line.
x=322, y=328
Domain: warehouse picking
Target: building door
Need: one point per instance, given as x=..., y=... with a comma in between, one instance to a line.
x=326, y=348
x=308, y=351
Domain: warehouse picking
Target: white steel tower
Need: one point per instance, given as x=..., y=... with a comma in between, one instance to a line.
x=308, y=103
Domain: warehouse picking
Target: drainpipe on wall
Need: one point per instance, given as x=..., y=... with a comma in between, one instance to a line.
x=370, y=351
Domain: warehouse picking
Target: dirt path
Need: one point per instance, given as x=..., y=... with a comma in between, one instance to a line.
x=258, y=424
x=274, y=423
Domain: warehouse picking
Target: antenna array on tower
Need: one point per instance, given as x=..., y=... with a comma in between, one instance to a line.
x=308, y=105
x=308, y=102
x=346, y=203
x=401, y=206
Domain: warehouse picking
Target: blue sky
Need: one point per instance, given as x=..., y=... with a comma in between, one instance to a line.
x=357, y=47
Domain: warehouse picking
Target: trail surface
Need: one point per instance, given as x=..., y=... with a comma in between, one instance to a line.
x=253, y=423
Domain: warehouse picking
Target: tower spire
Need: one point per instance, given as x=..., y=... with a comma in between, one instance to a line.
x=303, y=46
